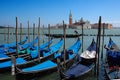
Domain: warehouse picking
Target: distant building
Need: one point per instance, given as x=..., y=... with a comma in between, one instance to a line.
x=70, y=19
x=58, y=26
x=81, y=23
x=106, y=26
x=78, y=24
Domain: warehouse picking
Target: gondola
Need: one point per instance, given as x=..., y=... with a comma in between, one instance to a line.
x=61, y=35
x=5, y=47
x=35, y=48
x=82, y=66
x=112, y=64
x=48, y=66
x=22, y=47
x=5, y=56
x=29, y=61
x=10, y=45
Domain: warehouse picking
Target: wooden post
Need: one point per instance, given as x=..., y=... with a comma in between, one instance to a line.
x=43, y=33
x=8, y=35
x=82, y=23
x=103, y=41
x=98, y=47
x=4, y=36
x=82, y=37
x=28, y=33
x=13, y=61
x=33, y=31
x=64, y=46
x=20, y=32
x=96, y=56
x=39, y=39
x=49, y=34
x=16, y=31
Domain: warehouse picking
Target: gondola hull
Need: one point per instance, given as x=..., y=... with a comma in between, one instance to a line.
x=83, y=65
x=44, y=68
x=112, y=65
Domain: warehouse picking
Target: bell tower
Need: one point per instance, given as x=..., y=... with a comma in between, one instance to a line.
x=70, y=19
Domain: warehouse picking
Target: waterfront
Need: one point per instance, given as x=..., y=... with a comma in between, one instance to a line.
x=69, y=42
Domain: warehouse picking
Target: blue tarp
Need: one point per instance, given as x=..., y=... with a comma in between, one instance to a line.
x=76, y=70
x=113, y=55
x=9, y=64
x=45, y=65
x=44, y=53
x=3, y=55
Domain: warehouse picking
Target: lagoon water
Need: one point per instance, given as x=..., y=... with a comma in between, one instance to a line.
x=69, y=42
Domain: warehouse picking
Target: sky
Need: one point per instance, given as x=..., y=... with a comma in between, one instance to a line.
x=55, y=11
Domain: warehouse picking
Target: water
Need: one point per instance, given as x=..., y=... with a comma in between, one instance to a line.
x=69, y=42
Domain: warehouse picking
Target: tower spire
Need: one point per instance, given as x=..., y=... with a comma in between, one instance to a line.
x=70, y=19
x=70, y=15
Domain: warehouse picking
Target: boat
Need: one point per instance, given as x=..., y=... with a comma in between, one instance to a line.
x=6, y=55
x=48, y=66
x=83, y=65
x=29, y=61
x=5, y=47
x=22, y=47
x=61, y=35
x=11, y=45
x=45, y=54
x=112, y=63
x=33, y=48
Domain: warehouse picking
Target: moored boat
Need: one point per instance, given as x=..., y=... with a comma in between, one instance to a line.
x=10, y=45
x=82, y=66
x=33, y=60
x=48, y=66
x=112, y=65
x=6, y=55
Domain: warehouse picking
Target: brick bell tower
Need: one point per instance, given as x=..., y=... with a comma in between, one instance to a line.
x=70, y=19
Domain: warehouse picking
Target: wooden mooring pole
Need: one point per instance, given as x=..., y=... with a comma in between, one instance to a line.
x=103, y=40
x=39, y=39
x=64, y=46
x=16, y=31
x=49, y=35
x=28, y=32
x=82, y=24
x=43, y=33
x=8, y=40
x=82, y=37
x=13, y=67
x=13, y=60
x=98, y=47
x=20, y=32
x=33, y=31
x=4, y=36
